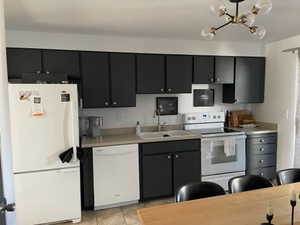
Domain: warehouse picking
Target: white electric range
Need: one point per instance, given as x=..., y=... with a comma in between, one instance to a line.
x=223, y=153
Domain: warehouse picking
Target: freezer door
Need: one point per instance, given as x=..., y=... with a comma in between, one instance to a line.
x=48, y=196
x=38, y=139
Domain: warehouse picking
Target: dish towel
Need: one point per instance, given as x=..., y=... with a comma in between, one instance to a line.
x=229, y=147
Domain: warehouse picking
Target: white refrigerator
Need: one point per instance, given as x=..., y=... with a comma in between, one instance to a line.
x=44, y=123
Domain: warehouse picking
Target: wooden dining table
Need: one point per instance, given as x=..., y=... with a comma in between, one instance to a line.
x=244, y=208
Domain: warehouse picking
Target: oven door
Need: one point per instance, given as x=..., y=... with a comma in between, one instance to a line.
x=223, y=154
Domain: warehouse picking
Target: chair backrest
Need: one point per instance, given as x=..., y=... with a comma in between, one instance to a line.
x=288, y=176
x=198, y=190
x=247, y=183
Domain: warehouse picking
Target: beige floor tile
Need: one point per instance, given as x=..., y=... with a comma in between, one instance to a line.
x=112, y=216
x=131, y=218
x=129, y=208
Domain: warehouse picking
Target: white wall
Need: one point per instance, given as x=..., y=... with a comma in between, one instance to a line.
x=129, y=44
x=280, y=97
x=5, y=143
x=127, y=117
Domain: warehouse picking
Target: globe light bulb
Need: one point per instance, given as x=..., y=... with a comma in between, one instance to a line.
x=262, y=7
x=218, y=8
x=208, y=33
x=258, y=32
x=247, y=19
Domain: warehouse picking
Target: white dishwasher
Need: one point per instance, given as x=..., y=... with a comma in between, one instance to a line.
x=116, y=176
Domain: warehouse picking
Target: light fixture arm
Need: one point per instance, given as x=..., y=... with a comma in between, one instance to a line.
x=224, y=25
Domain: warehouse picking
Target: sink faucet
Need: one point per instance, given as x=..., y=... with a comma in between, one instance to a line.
x=156, y=112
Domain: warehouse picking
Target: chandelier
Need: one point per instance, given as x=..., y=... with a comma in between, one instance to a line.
x=246, y=20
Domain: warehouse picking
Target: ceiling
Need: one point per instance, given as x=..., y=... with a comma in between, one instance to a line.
x=174, y=19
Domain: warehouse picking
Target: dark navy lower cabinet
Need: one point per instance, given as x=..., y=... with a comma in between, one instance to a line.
x=166, y=166
x=261, y=155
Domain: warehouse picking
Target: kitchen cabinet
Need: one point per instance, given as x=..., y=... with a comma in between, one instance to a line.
x=21, y=60
x=179, y=74
x=165, y=166
x=158, y=74
x=108, y=80
x=224, y=69
x=150, y=74
x=116, y=175
x=157, y=176
x=123, y=84
x=186, y=168
x=62, y=61
x=261, y=155
x=204, y=70
x=249, y=84
x=95, y=79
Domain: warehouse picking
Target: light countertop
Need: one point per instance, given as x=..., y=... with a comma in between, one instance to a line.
x=123, y=136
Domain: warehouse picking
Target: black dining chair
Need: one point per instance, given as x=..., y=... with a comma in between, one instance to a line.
x=288, y=176
x=198, y=190
x=247, y=183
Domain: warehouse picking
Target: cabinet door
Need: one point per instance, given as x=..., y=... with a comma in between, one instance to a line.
x=204, y=69
x=150, y=74
x=157, y=176
x=250, y=79
x=95, y=79
x=179, y=74
x=187, y=168
x=61, y=61
x=122, y=67
x=224, y=70
x=20, y=60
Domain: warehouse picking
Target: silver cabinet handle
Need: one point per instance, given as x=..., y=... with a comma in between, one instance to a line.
x=170, y=89
x=47, y=72
x=261, y=174
x=114, y=103
x=162, y=90
x=106, y=103
x=261, y=161
x=169, y=157
x=176, y=156
x=38, y=72
x=211, y=79
x=218, y=79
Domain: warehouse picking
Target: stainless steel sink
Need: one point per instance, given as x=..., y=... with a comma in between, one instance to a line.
x=164, y=134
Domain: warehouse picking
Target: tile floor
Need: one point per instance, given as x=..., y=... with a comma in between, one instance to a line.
x=125, y=215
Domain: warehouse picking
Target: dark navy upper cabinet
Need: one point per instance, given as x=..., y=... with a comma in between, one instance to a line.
x=61, y=61
x=204, y=70
x=224, y=69
x=150, y=74
x=123, y=85
x=249, y=83
x=95, y=79
x=179, y=73
x=108, y=79
x=21, y=60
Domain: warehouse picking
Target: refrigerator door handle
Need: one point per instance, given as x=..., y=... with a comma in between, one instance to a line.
x=74, y=144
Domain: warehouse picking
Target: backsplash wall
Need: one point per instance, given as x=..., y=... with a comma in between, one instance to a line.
x=145, y=106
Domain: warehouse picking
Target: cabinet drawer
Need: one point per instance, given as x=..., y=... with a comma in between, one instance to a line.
x=268, y=172
x=170, y=147
x=264, y=139
x=260, y=161
x=260, y=149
